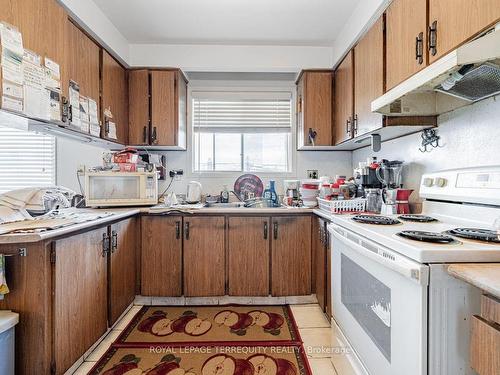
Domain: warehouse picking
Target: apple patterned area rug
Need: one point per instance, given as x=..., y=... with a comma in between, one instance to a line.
x=211, y=360
x=219, y=325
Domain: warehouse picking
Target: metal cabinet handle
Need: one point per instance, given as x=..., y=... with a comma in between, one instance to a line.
x=419, y=48
x=275, y=230
x=145, y=135
x=105, y=244
x=348, y=126
x=186, y=230
x=153, y=136
x=265, y=230
x=433, y=38
x=177, y=230
x=355, y=124
x=114, y=241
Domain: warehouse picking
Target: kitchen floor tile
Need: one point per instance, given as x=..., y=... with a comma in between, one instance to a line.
x=125, y=320
x=168, y=301
x=143, y=300
x=104, y=345
x=84, y=368
x=317, y=342
x=309, y=316
x=322, y=366
x=299, y=300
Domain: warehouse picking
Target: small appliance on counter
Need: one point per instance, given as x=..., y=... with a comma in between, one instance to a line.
x=402, y=200
x=114, y=189
x=291, y=188
x=389, y=202
x=193, y=193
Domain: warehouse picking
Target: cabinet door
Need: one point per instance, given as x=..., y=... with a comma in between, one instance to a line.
x=80, y=295
x=161, y=256
x=457, y=21
x=319, y=256
x=122, y=267
x=291, y=256
x=181, y=100
x=248, y=256
x=204, y=256
x=406, y=30
x=328, y=275
x=344, y=99
x=369, y=79
x=163, y=108
x=301, y=135
x=317, y=103
x=138, y=86
x=83, y=59
x=115, y=95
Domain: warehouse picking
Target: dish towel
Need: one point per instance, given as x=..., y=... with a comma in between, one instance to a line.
x=4, y=289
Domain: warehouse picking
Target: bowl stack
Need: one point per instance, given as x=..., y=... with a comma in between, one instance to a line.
x=309, y=191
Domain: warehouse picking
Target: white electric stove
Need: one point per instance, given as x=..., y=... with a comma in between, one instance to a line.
x=393, y=299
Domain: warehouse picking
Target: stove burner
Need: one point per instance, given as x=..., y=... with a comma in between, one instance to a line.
x=426, y=236
x=484, y=235
x=374, y=219
x=417, y=218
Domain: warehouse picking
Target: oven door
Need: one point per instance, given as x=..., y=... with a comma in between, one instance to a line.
x=380, y=304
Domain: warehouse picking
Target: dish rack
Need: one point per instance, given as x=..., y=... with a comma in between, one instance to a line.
x=342, y=206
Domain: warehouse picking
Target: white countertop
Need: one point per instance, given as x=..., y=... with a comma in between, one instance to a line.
x=123, y=213
x=8, y=319
x=485, y=276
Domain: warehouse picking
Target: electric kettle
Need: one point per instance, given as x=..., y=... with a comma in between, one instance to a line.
x=193, y=194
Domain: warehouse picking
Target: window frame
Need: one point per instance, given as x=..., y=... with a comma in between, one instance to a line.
x=250, y=86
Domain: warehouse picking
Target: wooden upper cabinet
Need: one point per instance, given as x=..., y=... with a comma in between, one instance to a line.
x=291, y=256
x=80, y=296
x=248, y=256
x=369, y=79
x=122, y=267
x=83, y=62
x=138, y=86
x=158, y=108
x=406, y=30
x=344, y=99
x=454, y=22
x=314, y=108
x=204, y=256
x=115, y=96
x=161, y=256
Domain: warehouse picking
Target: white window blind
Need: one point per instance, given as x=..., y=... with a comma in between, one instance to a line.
x=242, y=131
x=242, y=111
x=26, y=159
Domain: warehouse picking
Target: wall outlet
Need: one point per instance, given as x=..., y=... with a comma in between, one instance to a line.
x=176, y=174
x=312, y=173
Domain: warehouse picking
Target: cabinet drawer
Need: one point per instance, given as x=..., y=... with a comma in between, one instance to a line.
x=490, y=308
x=485, y=341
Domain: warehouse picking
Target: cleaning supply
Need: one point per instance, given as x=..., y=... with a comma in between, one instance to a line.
x=4, y=289
x=224, y=195
x=270, y=194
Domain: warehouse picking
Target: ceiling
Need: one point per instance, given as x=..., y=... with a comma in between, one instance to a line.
x=229, y=22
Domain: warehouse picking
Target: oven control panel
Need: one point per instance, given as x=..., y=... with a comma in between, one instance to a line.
x=471, y=185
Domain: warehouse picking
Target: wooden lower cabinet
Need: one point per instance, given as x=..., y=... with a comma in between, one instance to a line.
x=248, y=256
x=122, y=267
x=319, y=256
x=291, y=255
x=161, y=256
x=204, y=256
x=328, y=308
x=80, y=296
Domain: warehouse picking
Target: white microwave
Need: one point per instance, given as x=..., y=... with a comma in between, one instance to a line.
x=114, y=189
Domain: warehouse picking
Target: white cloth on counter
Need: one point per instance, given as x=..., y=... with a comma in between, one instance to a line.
x=23, y=204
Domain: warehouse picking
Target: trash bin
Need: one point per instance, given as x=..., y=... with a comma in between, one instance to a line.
x=8, y=321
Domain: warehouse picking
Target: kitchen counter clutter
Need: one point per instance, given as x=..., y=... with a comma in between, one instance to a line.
x=485, y=276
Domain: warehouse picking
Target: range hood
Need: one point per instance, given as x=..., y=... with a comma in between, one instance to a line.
x=466, y=75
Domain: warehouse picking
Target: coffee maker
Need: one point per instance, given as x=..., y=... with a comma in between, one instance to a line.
x=365, y=176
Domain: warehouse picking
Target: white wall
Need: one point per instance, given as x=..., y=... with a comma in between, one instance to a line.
x=470, y=137
x=72, y=154
x=226, y=58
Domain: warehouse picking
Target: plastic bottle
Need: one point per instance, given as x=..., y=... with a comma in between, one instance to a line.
x=270, y=194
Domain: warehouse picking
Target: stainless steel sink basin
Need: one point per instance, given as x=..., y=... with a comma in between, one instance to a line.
x=226, y=205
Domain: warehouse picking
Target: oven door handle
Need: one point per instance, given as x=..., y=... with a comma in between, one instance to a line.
x=417, y=272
